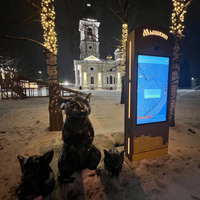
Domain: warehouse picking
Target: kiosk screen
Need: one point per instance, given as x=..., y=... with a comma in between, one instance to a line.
x=152, y=89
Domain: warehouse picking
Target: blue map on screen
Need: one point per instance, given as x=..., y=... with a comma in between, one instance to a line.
x=152, y=88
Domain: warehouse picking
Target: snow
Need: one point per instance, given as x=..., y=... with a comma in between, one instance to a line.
x=24, y=131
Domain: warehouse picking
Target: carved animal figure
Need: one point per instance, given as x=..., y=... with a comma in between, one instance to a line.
x=78, y=150
x=37, y=176
x=113, y=161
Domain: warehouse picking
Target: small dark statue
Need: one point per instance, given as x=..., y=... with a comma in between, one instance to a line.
x=37, y=176
x=78, y=151
x=113, y=161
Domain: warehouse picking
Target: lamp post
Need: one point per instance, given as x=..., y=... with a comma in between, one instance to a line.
x=40, y=75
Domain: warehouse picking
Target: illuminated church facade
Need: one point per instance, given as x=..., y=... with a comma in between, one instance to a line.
x=91, y=72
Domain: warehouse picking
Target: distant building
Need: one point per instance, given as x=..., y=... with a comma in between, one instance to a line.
x=91, y=72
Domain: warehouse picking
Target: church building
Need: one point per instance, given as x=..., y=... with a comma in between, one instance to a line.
x=92, y=72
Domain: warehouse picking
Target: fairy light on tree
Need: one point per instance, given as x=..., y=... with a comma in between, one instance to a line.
x=50, y=44
x=47, y=11
x=48, y=24
x=123, y=17
x=179, y=10
x=124, y=40
x=178, y=16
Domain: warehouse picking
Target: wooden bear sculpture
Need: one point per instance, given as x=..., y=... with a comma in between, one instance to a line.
x=78, y=151
x=113, y=161
x=37, y=176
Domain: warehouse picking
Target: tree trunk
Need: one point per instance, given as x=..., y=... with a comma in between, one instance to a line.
x=124, y=40
x=175, y=76
x=123, y=91
x=55, y=113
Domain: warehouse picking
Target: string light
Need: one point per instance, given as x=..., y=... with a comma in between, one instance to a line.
x=123, y=48
x=178, y=16
x=48, y=24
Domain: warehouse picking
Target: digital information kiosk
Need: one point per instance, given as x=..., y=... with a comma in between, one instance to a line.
x=149, y=52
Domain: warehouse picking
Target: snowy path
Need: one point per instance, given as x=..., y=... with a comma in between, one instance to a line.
x=176, y=176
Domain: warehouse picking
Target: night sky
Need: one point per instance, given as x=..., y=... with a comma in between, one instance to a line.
x=31, y=58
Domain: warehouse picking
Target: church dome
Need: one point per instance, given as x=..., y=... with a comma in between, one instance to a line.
x=118, y=54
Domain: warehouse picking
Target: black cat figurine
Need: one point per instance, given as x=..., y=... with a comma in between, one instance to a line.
x=37, y=176
x=113, y=161
x=78, y=151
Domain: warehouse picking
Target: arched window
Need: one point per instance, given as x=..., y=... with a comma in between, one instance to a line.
x=92, y=80
x=89, y=33
x=114, y=80
x=107, y=80
x=110, y=79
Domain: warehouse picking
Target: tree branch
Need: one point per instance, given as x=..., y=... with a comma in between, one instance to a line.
x=188, y=3
x=30, y=19
x=33, y=4
x=120, y=3
x=114, y=12
x=99, y=39
x=127, y=9
x=22, y=38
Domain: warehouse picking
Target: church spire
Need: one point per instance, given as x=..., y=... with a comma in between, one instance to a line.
x=89, y=36
x=89, y=14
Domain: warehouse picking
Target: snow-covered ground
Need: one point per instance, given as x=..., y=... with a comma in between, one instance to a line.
x=24, y=131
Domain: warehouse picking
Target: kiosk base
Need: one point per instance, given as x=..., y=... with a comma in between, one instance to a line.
x=150, y=154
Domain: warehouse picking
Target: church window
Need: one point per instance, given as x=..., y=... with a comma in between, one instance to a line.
x=114, y=80
x=89, y=34
x=107, y=80
x=92, y=80
x=110, y=79
x=91, y=68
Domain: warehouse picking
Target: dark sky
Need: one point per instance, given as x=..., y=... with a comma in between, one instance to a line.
x=32, y=59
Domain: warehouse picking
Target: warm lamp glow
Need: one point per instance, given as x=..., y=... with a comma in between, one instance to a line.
x=48, y=24
x=178, y=16
x=124, y=39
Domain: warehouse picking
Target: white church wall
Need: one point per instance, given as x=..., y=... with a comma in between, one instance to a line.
x=90, y=66
x=84, y=79
x=96, y=81
x=104, y=81
x=119, y=79
x=92, y=69
x=100, y=80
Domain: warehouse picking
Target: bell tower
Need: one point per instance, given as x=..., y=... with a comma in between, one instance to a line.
x=89, y=36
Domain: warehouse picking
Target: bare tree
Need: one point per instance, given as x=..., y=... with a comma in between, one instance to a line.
x=176, y=29
x=47, y=11
x=122, y=16
x=50, y=37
